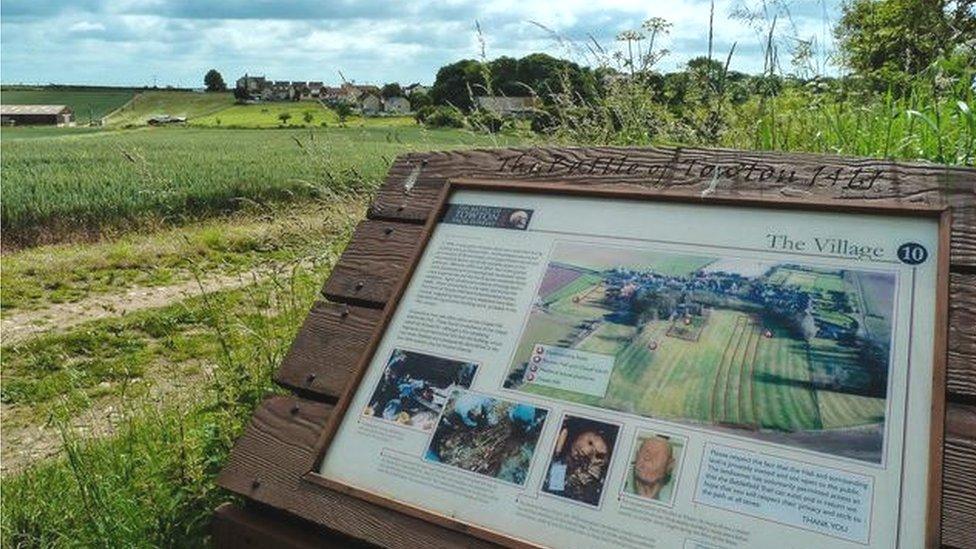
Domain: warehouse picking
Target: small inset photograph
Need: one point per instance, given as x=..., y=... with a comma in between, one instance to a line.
x=416, y=386
x=654, y=466
x=581, y=459
x=487, y=435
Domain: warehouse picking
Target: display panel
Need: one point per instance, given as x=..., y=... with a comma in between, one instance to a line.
x=629, y=371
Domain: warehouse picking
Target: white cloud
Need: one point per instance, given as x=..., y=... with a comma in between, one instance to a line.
x=86, y=26
x=128, y=42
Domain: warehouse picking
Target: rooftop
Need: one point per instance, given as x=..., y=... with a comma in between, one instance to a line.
x=32, y=109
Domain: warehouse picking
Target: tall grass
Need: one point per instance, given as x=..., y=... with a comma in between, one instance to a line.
x=795, y=108
x=925, y=123
x=152, y=482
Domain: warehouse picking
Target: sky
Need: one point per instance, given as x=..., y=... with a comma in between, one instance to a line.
x=174, y=42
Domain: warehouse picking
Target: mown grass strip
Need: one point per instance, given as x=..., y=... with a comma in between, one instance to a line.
x=63, y=273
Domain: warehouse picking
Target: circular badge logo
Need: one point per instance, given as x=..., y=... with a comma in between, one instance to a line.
x=911, y=253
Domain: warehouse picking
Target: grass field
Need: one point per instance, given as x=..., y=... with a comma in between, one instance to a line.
x=88, y=104
x=78, y=186
x=599, y=259
x=174, y=103
x=732, y=375
x=265, y=115
x=42, y=132
x=219, y=110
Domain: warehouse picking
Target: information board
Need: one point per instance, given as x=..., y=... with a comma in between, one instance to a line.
x=623, y=369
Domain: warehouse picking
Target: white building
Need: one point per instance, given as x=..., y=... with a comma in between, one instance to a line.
x=396, y=105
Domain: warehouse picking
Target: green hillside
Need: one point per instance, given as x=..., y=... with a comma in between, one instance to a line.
x=265, y=115
x=174, y=103
x=88, y=103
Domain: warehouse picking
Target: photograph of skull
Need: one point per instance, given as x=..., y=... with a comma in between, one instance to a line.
x=581, y=459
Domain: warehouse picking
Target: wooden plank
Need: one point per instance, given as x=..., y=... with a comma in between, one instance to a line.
x=327, y=348
x=690, y=171
x=235, y=526
x=961, y=380
x=958, y=475
x=277, y=448
x=372, y=264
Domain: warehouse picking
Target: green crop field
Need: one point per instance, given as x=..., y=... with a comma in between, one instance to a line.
x=82, y=184
x=88, y=104
x=39, y=132
x=173, y=103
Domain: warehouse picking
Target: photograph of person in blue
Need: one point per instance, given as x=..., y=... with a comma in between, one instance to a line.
x=415, y=386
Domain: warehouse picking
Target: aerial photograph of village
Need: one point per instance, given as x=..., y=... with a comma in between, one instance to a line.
x=791, y=353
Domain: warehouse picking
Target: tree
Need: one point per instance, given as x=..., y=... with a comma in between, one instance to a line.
x=419, y=100
x=457, y=83
x=890, y=40
x=284, y=117
x=537, y=73
x=505, y=78
x=214, y=81
x=342, y=110
x=391, y=90
x=307, y=116
x=546, y=75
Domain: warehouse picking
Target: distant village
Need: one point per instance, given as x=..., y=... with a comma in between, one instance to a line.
x=677, y=296
x=366, y=98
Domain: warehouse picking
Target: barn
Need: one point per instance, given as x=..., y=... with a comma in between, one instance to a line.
x=33, y=115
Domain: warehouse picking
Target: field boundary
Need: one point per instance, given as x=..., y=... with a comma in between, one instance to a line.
x=103, y=120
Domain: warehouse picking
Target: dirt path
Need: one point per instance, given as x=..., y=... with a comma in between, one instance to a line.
x=19, y=326
x=25, y=442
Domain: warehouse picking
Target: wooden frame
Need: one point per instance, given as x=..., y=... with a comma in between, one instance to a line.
x=937, y=412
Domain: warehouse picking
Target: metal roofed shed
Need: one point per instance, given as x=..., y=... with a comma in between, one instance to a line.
x=36, y=115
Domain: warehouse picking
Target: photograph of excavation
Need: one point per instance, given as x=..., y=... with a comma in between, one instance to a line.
x=486, y=435
x=791, y=353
